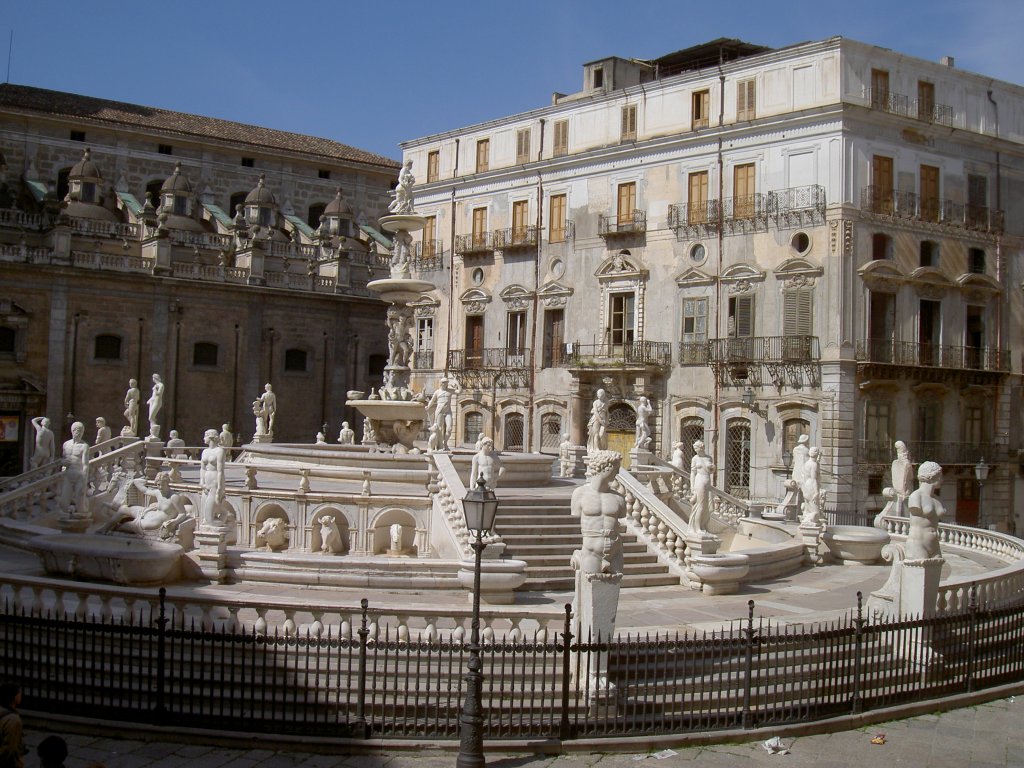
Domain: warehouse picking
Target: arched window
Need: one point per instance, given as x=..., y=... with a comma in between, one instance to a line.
x=107, y=347
x=7, y=340
x=550, y=431
x=472, y=426
x=621, y=418
x=295, y=360
x=737, y=458
x=514, y=432
x=205, y=354
x=691, y=429
x=315, y=212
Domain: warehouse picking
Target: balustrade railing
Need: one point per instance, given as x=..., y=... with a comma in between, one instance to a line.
x=629, y=223
x=205, y=240
x=489, y=358
x=97, y=227
x=764, y=349
x=913, y=353
x=114, y=262
x=944, y=452
x=12, y=217
x=660, y=528
x=477, y=242
x=887, y=101
x=903, y=204
x=574, y=355
x=515, y=237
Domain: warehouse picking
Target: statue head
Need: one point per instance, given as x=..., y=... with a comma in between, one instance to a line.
x=803, y=440
x=133, y=383
x=602, y=462
x=601, y=394
x=698, y=447
x=268, y=388
x=156, y=378
x=344, y=425
x=163, y=482
x=77, y=430
x=929, y=472
x=486, y=443
x=815, y=452
x=174, y=434
x=210, y=437
x=901, y=449
x=45, y=422
x=224, y=427
x=100, y=422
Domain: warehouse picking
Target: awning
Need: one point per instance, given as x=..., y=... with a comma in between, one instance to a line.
x=300, y=225
x=380, y=238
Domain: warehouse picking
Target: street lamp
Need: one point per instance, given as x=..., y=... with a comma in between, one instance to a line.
x=981, y=474
x=750, y=403
x=479, y=506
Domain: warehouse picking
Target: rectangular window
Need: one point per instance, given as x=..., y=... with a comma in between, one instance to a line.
x=516, y=338
x=474, y=341
x=878, y=423
x=433, y=166
x=701, y=109
x=929, y=193
x=746, y=94
x=429, y=237
x=928, y=424
x=626, y=203
x=925, y=101
x=977, y=200
x=697, y=212
x=882, y=183
x=695, y=331
x=554, y=336
x=78, y=135
x=424, y=343
x=248, y=162
x=741, y=316
x=797, y=314
x=323, y=173
x=598, y=77
x=165, y=149
x=743, y=191
x=622, y=325
x=628, y=122
x=520, y=212
x=479, y=227
x=973, y=425
x=879, y=89
x=974, y=335
x=561, y=138
x=523, y=146
x=483, y=155
x=929, y=328
x=556, y=225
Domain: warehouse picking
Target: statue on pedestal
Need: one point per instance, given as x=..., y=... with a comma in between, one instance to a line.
x=268, y=403
x=215, y=512
x=811, y=489
x=600, y=509
x=73, y=501
x=597, y=427
x=155, y=403
x=45, y=442
x=486, y=464
x=925, y=510
x=565, y=461
x=131, y=406
x=439, y=411
x=403, y=202
x=227, y=440
x=902, y=477
x=701, y=471
x=347, y=436
x=102, y=430
x=643, y=427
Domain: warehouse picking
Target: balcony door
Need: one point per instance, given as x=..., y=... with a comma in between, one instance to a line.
x=882, y=326
x=479, y=227
x=554, y=336
x=741, y=328
x=516, y=340
x=622, y=320
x=520, y=209
x=697, y=210
x=974, y=336
x=626, y=204
x=929, y=331
x=879, y=89
x=882, y=181
x=474, y=341
x=929, y=193
x=743, y=191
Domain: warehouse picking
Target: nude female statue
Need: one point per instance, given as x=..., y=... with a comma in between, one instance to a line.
x=925, y=510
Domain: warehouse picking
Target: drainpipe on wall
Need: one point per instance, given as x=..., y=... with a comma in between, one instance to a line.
x=531, y=382
x=717, y=412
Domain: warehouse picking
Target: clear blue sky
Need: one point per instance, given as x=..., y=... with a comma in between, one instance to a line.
x=372, y=74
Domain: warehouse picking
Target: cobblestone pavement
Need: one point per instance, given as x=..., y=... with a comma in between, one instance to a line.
x=984, y=736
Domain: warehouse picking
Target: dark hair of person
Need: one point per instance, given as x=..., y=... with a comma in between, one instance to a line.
x=9, y=691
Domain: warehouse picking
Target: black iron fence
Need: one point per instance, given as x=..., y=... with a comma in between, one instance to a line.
x=373, y=683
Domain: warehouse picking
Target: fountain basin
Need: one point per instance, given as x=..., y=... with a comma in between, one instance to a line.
x=119, y=559
x=720, y=573
x=498, y=580
x=855, y=544
x=400, y=290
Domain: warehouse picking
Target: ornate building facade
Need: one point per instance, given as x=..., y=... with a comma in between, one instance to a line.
x=820, y=239
x=221, y=256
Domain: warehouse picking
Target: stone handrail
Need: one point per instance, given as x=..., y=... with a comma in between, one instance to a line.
x=450, y=491
x=654, y=523
x=726, y=509
x=1004, y=586
x=265, y=614
x=21, y=502
x=18, y=481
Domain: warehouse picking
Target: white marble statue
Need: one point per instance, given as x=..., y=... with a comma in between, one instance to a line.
x=268, y=401
x=597, y=427
x=74, y=485
x=902, y=477
x=273, y=534
x=487, y=464
x=643, y=426
x=176, y=446
x=811, y=488
x=321, y=438
x=155, y=402
x=565, y=462
x=395, y=533
x=925, y=511
x=214, y=509
x=600, y=509
x=701, y=477
x=678, y=457
x=403, y=202
x=261, y=417
x=45, y=442
x=800, y=453
x=369, y=436
x=399, y=340
x=166, y=516
x=102, y=430
x=439, y=411
x=131, y=406
x=347, y=436
x=401, y=253
x=227, y=440
x=330, y=536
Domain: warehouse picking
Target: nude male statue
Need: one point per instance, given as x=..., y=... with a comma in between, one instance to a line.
x=600, y=509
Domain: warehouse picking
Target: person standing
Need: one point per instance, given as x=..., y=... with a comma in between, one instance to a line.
x=12, y=740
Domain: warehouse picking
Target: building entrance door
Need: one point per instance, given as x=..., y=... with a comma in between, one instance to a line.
x=622, y=430
x=967, y=502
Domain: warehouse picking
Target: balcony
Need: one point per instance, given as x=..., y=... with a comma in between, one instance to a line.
x=693, y=353
x=930, y=112
x=515, y=237
x=910, y=206
x=743, y=360
x=636, y=354
x=887, y=101
x=797, y=206
x=485, y=368
x=423, y=359
x=748, y=213
x=428, y=256
x=925, y=110
x=634, y=223
x=887, y=359
x=562, y=234
x=694, y=220
x=944, y=452
x=475, y=244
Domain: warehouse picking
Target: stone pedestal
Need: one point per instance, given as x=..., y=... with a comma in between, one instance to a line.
x=596, y=607
x=578, y=459
x=154, y=449
x=212, y=552
x=640, y=456
x=811, y=534
x=919, y=587
x=267, y=438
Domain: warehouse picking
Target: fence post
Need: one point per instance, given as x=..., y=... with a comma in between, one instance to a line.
x=857, y=701
x=747, y=721
x=563, y=725
x=362, y=727
x=972, y=637
x=161, y=652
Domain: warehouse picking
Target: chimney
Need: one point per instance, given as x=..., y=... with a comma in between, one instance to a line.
x=947, y=61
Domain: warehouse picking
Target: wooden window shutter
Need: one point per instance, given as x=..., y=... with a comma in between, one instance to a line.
x=743, y=316
x=627, y=201
x=745, y=98
x=628, y=125
x=523, y=146
x=561, y=137
x=797, y=314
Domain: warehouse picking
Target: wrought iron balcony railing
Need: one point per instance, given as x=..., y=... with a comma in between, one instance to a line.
x=563, y=233
x=623, y=224
x=489, y=358
x=428, y=256
x=941, y=451
x=887, y=101
x=693, y=353
x=912, y=353
x=930, y=112
x=764, y=349
x=423, y=359
x=747, y=211
x=515, y=237
x=909, y=205
x=637, y=353
x=477, y=242
x=694, y=219
x=797, y=200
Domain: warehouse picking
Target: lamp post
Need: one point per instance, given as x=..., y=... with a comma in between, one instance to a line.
x=479, y=506
x=981, y=475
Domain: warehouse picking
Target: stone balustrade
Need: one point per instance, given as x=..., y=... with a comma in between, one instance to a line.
x=661, y=529
x=25, y=478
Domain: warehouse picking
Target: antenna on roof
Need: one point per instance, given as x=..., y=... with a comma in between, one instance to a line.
x=10, y=45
